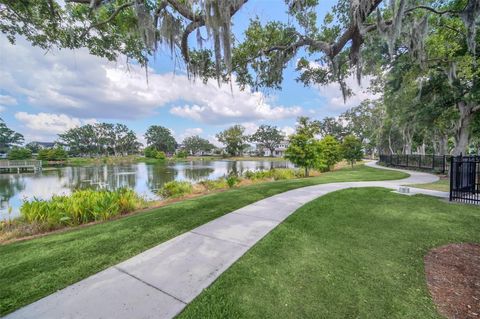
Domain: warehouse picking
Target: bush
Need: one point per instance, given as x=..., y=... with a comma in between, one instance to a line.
x=232, y=180
x=82, y=206
x=181, y=154
x=19, y=153
x=176, y=189
x=54, y=154
x=150, y=152
x=161, y=155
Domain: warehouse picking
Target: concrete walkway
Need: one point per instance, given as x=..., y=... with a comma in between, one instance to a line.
x=161, y=281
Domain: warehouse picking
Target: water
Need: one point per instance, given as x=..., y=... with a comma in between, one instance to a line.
x=145, y=179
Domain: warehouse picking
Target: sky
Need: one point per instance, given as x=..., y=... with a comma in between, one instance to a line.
x=43, y=93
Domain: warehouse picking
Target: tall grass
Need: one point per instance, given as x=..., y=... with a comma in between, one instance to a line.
x=81, y=207
x=176, y=189
x=275, y=174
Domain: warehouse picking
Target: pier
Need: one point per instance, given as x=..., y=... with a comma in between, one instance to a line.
x=19, y=166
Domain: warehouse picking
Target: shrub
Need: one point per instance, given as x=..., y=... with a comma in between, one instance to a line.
x=232, y=180
x=150, y=152
x=181, y=154
x=19, y=153
x=160, y=155
x=176, y=189
x=54, y=154
x=80, y=207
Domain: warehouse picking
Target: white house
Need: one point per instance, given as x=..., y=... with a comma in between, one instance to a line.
x=278, y=152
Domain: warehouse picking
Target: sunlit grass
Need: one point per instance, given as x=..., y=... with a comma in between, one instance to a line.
x=355, y=253
x=32, y=269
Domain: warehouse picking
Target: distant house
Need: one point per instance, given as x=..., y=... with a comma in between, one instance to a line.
x=278, y=152
x=44, y=145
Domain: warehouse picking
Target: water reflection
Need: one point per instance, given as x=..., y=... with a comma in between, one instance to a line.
x=145, y=179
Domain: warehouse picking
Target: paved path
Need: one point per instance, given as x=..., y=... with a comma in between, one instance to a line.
x=161, y=281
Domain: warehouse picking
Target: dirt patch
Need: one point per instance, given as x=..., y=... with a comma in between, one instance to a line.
x=453, y=278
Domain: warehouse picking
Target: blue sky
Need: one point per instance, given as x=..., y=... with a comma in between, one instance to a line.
x=42, y=94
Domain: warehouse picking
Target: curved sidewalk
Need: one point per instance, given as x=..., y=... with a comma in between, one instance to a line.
x=161, y=281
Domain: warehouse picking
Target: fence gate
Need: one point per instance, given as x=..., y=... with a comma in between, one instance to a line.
x=465, y=179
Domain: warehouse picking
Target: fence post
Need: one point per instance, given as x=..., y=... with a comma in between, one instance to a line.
x=451, y=176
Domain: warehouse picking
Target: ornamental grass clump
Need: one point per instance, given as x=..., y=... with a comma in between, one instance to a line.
x=176, y=189
x=211, y=185
x=283, y=173
x=80, y=207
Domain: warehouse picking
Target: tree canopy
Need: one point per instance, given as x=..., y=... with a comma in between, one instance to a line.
x=422, y=54
x=234, y=139
x=100, y=139
x=268, y=137
x=161, y=139
x=195, y=144
x=8, y=137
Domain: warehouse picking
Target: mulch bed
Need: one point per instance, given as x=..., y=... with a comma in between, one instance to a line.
x=453, y=278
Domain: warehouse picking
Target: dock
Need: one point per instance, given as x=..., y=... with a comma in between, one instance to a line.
x=20, y=166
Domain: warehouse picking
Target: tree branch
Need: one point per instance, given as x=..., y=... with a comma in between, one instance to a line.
x=110, y=18
x=431, y=10
x=198, y=21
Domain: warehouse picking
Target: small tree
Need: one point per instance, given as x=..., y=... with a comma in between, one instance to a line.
x=268, y=137
x=330, y=152
x=304, y=149
x=234, y=139
x=352, y=149
x=19, y=153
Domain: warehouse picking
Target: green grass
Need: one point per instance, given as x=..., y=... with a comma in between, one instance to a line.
x=36, y=268
x=441, y=185
x=355, y=253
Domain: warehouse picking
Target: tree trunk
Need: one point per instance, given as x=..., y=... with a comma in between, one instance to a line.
x=390, y=141
x=407, y=139
x=462, y=128
x=271, y=152
x=443, y=145
x=306, y=171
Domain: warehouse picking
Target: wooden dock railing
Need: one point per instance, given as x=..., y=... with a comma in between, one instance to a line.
x=20, y=165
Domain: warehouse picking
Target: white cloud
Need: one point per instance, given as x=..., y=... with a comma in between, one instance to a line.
x=250, y=127
x=78, y=84
x=288, y=130
x=2, y=108
x=43, y=126
x=7, y=100
x=222, y=105
x=189, y=132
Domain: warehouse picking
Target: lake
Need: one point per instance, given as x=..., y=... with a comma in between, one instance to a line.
x=145, y=179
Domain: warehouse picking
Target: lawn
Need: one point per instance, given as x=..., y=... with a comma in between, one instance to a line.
x=443, y=184
x=356, y=253
x=32, y=269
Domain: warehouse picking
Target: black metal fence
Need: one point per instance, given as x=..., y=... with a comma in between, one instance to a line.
x=435, y=163
x=465, y=179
